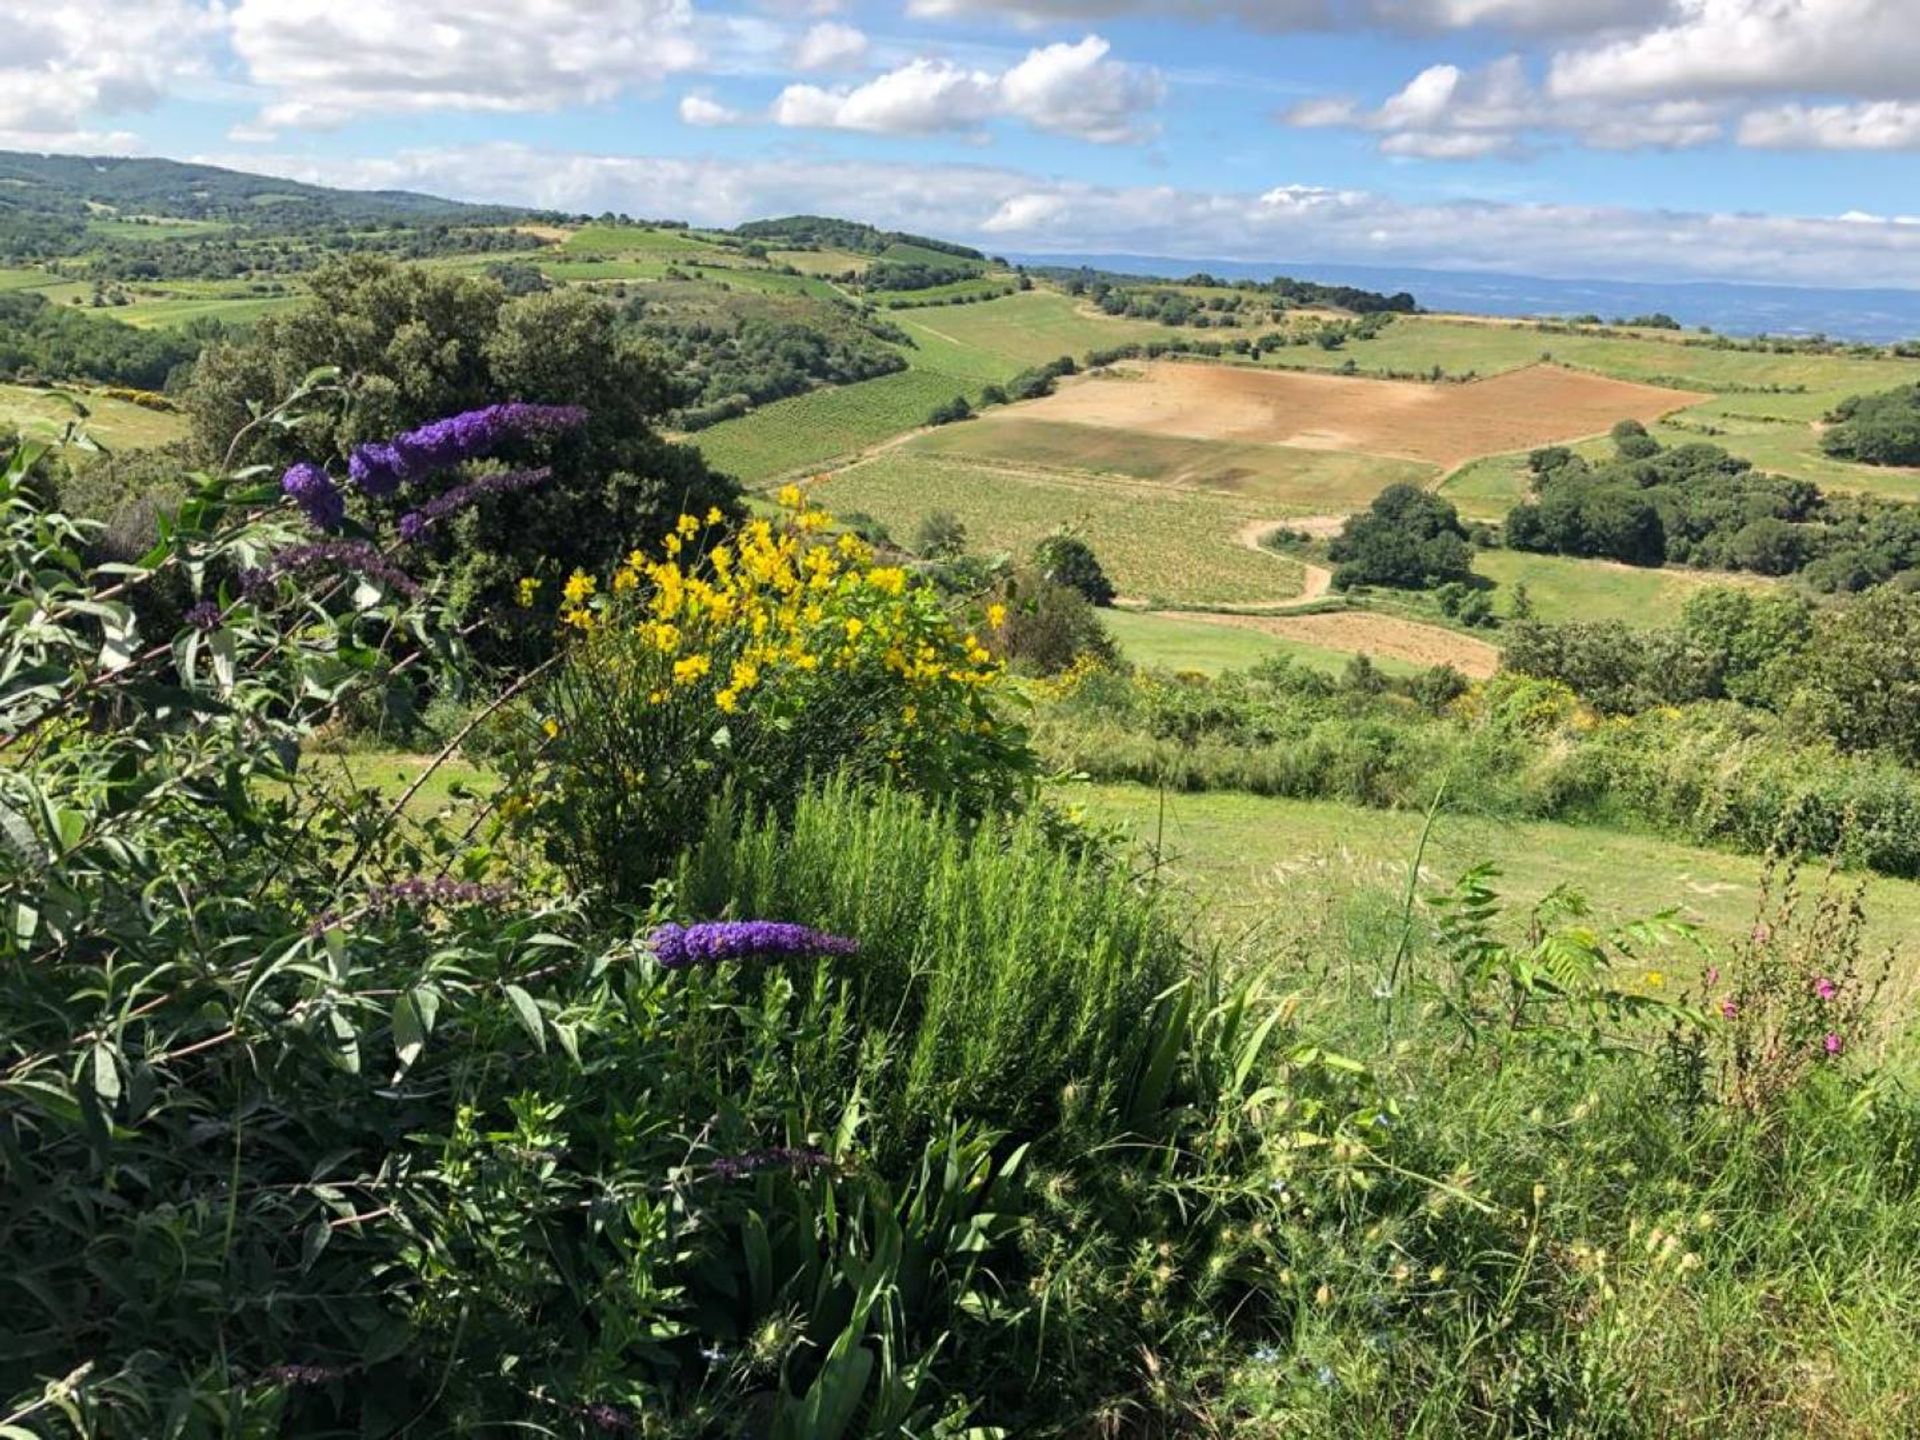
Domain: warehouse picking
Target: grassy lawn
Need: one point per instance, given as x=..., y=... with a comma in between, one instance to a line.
x=115, y=423
x=1318, y=481
x=1158, y=543
x=1251, y=858
x=1170, y=643
x=1562, y=587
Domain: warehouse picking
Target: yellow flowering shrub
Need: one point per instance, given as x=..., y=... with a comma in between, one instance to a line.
x=758, y=659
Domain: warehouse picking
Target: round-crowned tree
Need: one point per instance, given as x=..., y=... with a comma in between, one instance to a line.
x=1065, y=559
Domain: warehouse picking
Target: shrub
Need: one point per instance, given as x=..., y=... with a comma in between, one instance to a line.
x=751, y=664
x=1042, y=628
x=1880, y=429
x=940, y=536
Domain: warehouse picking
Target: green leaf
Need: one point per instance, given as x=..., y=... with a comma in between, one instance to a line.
x=411, y=1025
x=529, y=1013
x=106, y=1073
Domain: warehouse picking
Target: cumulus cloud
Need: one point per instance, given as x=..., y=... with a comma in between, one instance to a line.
x=1014, y=210
x=1064, y=89
x=830, y=45
x=1446, y=113
x=1860, y=48
x=63, y=66
x=701, y=109
x=1881, y=125
x=326, y=62
x=1560, y=16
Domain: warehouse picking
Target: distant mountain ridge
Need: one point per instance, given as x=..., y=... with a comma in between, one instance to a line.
x=74, y=185
x=1733, y=308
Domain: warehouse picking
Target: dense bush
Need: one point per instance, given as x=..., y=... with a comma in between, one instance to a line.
x=1407, y=538
x=1882, y=429
x=43, y=341
x=1698, y=505
x=1714, y=773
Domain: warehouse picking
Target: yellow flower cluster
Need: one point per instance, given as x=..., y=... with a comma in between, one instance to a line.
x=718, y=617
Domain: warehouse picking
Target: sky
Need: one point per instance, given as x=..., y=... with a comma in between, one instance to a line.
x=1756, y=140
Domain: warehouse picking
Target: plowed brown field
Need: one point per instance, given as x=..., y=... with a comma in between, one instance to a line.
x=1444, y=424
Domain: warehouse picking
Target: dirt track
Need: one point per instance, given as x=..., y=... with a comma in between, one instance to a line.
x=1442, y=424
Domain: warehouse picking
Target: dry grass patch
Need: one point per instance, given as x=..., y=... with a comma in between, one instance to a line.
x=1440, y=424
x=1362, y=632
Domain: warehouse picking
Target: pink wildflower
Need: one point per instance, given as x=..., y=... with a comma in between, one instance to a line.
x=1825, y=988
x=1834, y=1043
x=1730, y=1010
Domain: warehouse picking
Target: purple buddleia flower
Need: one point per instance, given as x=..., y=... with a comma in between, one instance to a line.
x=732, y=1167
x=414, y=523
x=355, y=555
x=204, y=616
x=380, y=468
x=677, y=947
x=313, y=490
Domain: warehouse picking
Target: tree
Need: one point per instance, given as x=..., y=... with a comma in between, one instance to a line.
x=414, y=344
x=1407, y=538
x=1860, y=676
x=1882, y=429
x=1064, y=558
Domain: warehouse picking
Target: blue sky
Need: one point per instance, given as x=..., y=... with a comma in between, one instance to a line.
x=1631, y=139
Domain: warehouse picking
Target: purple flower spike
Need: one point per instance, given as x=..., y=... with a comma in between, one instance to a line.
x=355, y=555
x=783, y=1157
x=380, y=469
x=414, y=523
x=679, y=947
x=375, y=469
x=313, y=490
x=204, y=616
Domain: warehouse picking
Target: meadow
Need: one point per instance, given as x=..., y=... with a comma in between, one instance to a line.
x=1258, y=861
x=117, y=424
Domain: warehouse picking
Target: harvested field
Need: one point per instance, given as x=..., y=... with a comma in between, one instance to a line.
x=1362, y=632
x=1440, y=424
x=1288, y=475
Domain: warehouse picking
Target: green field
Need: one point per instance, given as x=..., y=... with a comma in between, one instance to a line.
x=644, y=240
x=40, y=414
x=1170, y=643
x=1562, y=587
x=25, y=280
x=1157, y=542
x=1029, y=329
x=1320, y=481
x=821, y=262
x=1247, y=857
x=156, y=229
x=810, y=431
x=984, y=288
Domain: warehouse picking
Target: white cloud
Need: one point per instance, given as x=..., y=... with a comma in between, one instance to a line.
x=327, y=62
x=1445, y=113
x=830, y=45
x=1878, y=125
x=1290, y=223
x=1064, y=89
x=1861, y=48
x=61, y=66
x=1558, y=16
x=699, y=109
